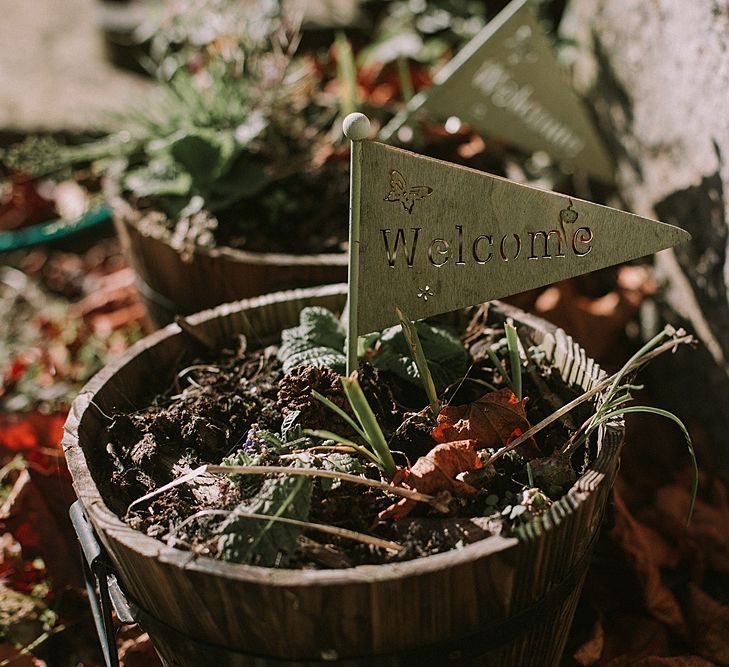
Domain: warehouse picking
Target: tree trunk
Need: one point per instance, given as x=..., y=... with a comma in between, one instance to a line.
x=657, y=75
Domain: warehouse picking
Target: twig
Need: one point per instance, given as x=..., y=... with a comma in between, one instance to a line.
x=43, y=637
x=187, y=477
x=286, y=470
x=321, y=527
x=331, y=474
x=346, y=449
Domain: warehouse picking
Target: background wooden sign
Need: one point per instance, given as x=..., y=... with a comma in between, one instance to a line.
x=434, y=236
x=506, y=82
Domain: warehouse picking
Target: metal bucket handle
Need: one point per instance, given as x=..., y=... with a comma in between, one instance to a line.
x=98, y=574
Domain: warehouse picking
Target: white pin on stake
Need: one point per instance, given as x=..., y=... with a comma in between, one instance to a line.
x=356, y=128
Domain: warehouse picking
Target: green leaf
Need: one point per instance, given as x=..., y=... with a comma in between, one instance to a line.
x=316, y=356
x=243, y=458
x=512, y=340
x=246, y=177
x=204, y=154
x=289, y=427
x=317, y=341
x=322, y=326
x=267, y=543
x=338, y=462
x=447, y=358
x=368, y=423
x=410, y=331
x=155, y=181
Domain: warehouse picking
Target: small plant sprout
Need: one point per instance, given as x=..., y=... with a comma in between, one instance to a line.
x=366, y=426
x=416, y=349
x=406, y=81
x=614, y=405
x=512, y=342
x=347, y=74
x=513, y=380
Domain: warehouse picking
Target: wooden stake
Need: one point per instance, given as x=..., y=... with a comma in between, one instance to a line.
x=356, y=128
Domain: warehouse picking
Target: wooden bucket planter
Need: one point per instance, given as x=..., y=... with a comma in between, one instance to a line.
x=500, y=601
x=171, y=286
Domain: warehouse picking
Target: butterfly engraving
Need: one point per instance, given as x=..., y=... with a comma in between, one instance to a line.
x=399, y=191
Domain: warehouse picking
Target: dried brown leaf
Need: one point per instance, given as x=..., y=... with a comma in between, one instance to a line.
x=436, y=472
x=589, y=653
x=492, y=421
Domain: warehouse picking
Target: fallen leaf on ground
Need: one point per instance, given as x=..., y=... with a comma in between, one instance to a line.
x=27, y=515
x=12, y=656
x=597, y=321
x=24, y=431
x=135, y=648
x=632, y=637
x=658, y=661
x=636, y=542
x=706, y=540
x=589, y=653
x=436, y=472
x=709, y=621
x=492, y=421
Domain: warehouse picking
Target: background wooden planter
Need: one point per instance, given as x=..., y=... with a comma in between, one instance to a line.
x=500, y=601
x=213, y=276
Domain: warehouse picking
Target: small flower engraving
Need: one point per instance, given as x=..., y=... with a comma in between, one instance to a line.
x=566, y=217
x=425, y=293
x=520, y=47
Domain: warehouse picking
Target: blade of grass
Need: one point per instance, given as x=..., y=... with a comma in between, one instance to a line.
x=335, y=408
x=406, y=82
x=500, y=368
x=512, y=342
x=682, y=339
x=640, y=354
x=692, y=454
x=367, y=419
x=317, y=472
x=482, y=383
x=329, y=435
x=416, y=349
x=347, y=74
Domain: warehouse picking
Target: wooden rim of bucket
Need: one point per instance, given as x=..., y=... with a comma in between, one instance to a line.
x=111, y=527
x=131, y=217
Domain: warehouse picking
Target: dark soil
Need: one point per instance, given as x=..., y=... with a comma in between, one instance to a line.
x=220, y=404
x=304, y=213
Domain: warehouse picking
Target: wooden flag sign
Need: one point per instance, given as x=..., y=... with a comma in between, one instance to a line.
x=429, y=237
x=506, y=82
